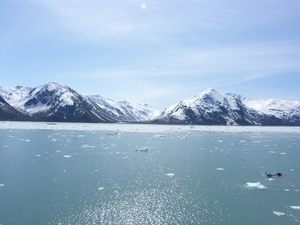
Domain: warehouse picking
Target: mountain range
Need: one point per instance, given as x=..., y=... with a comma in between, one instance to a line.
x=56, y=102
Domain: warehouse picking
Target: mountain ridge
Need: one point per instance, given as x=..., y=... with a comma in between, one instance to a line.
x=213, y=108
x=57, y=102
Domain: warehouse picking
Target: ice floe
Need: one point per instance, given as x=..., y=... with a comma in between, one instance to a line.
x=141, y=149
x=100, y=188
x=67, y=156
x=278, y=213
x=219, y=168
x=87, y=146
x=170, y=174
x=255, y=185
x=295, y=207
x=1, y=185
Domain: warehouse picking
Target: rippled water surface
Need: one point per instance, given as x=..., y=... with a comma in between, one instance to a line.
x=148, y=174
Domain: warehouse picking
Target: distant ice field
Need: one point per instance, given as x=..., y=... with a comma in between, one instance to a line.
x=144, y=127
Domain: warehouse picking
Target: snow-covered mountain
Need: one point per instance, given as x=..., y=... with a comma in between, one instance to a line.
x=57, y=102
x=213, y=108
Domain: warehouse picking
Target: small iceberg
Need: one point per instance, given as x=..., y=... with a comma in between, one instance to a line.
x=170, y=174
x=219, y=168
x=255, y=185
x=278, y=213
x=67, y=156
x=295, y=207
x=141, y=149
x=87, y=146
x=1, y=185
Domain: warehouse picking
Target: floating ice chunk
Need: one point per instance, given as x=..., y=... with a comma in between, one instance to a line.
x=159, y=136
x=54, y=140
x=219, y=168
x=38, y=155
x=283, y=153
x=5, y=146
x=278, y=213
x=287, y=189
x=87, y=146
x=220, y=141
x=67, y=156
x=100, y=188
x=257, y=185
x=170, y=174
x=271, y=152
x=141, y=149
x=1, y=185
x=295, y=207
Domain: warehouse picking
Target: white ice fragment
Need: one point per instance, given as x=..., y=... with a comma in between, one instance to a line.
x=256, y=185
x=295, y=207
x=54, y=140
x=287, y=189
x=87, y=146
x=38, y=155
x=100, y=188
x=278, y=213
x=170, y=174
x=159, y=136
x=283, y=153
x=1, y=185
x=219, y=168
x=5, y=146
x=141, y=149
x=67, y=156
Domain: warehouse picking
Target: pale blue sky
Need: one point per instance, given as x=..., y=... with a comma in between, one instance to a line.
x=153, y=51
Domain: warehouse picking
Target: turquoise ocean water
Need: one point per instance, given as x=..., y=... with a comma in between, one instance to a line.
x=148, y=174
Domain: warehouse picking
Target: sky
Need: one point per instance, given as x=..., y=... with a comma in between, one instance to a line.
x=154, y=51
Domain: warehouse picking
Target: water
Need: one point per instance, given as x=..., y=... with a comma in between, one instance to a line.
x=147, y=174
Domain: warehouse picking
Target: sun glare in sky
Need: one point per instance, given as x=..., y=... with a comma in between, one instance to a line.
x=143, y=5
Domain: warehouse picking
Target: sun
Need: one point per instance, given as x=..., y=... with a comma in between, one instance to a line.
x=143, y=5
